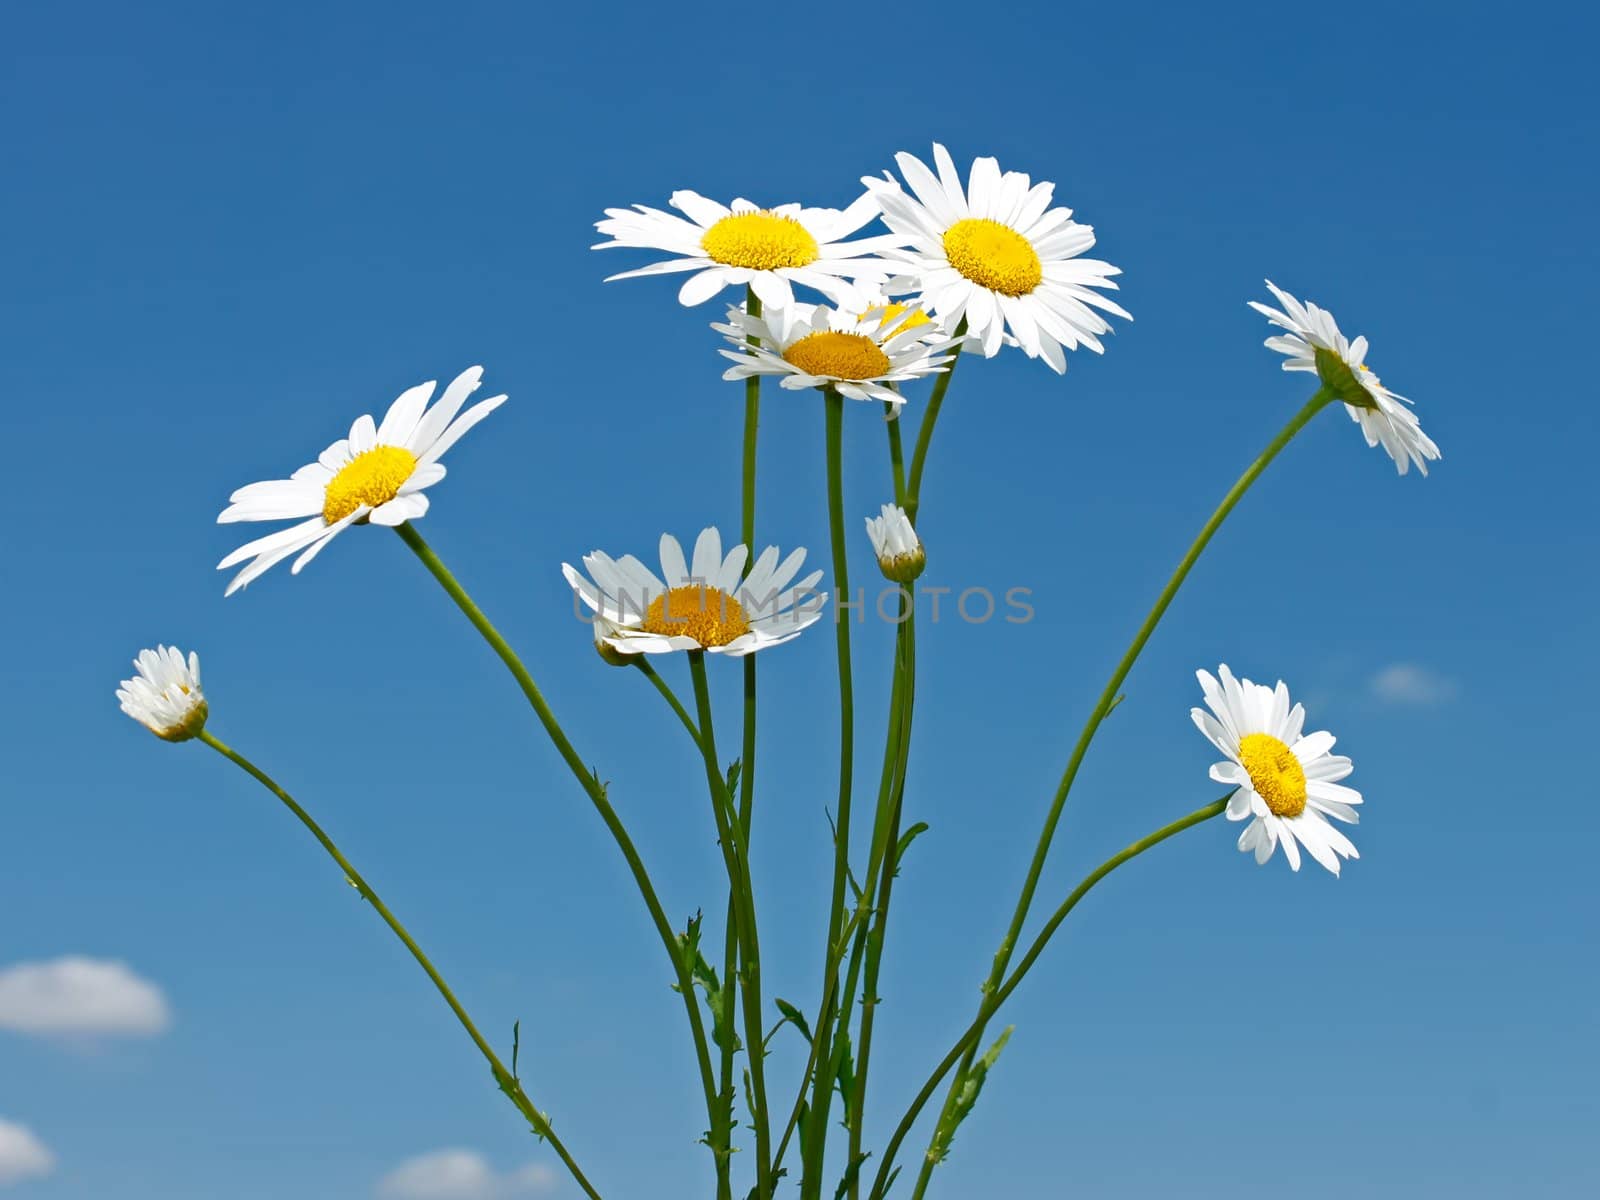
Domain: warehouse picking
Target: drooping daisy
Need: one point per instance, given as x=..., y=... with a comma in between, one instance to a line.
x=1313, y=343
x=377, y=474
x=996, y=253
x=710, y=603
x=165, y=695
x=899, y=550
x=768, y=248
x=812, y=345
x=1287, y=781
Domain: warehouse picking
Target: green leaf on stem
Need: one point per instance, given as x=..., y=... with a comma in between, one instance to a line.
x=689, y=948
x=945, y=1135
x=795, y=1017
x=904, y=844
x=851, y=1173
x=845, y=1076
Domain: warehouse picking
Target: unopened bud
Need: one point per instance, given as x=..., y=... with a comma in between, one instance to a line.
x=900, y=554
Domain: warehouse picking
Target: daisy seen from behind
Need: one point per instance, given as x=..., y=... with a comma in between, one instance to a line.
x=993, y=252
x=815, y=346
x=1287, y=780
x=768, y=249
x=709, y=603
x=165, y=695
x=378, y=474
x=1314, y=343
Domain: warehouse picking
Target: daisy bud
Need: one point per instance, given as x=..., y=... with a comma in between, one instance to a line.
x=609, y=654
x=165, y=696
x=895, y=542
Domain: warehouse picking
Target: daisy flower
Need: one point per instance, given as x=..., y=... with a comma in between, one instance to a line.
x=165, y=695
x=812, y=345
x=895, y=543
x=1287, y=781
x=996, y=253
x=377, y=474
x=903, y=316
x=1314, y=343
x=769, y=249
x=710, y=603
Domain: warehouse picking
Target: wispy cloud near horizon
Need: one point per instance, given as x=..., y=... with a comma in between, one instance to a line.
x=462, y=1175
x=1412, y=684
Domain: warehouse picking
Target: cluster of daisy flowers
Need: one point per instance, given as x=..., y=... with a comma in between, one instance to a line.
x=976, y=264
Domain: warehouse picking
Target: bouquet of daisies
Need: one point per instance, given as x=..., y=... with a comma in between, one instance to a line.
x=868, y=305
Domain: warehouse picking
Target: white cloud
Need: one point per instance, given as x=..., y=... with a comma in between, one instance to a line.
x=461, y=1175
x=22, y=1156
x=1408, y=683
x=79, y=997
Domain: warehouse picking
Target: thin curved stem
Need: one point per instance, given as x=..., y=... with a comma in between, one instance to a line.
x=822, y=1085
x=504, y=1079
x=671, y=697
x=919, y=456
x=996, y=998
x=1108, y=698
x=735, y=854
x=593, y=788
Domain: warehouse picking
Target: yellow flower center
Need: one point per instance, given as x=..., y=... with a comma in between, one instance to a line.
x=372, y=477
x=1275, y=773
x=994, y=256
x=838, y=355
x=760, y=241
x=708, y=615
x=889, y=318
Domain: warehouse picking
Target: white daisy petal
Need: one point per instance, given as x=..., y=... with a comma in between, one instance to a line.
x=400, y=422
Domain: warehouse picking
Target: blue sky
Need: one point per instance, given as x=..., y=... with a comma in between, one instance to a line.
x=229, y=232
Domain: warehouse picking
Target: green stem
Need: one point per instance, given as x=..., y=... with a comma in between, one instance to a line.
x=747, y=745
x=1108, y=699
x=900, y=714
x=504, y=1079
x=822, y=1085
x=593, y=788
x=993, y=1000
x=799, y=1103
x=919, y=456
x=720, y=1135
x=891, y=797
x=858, y=929
x=671, y=697
x=735, y=854
x=897, y=469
